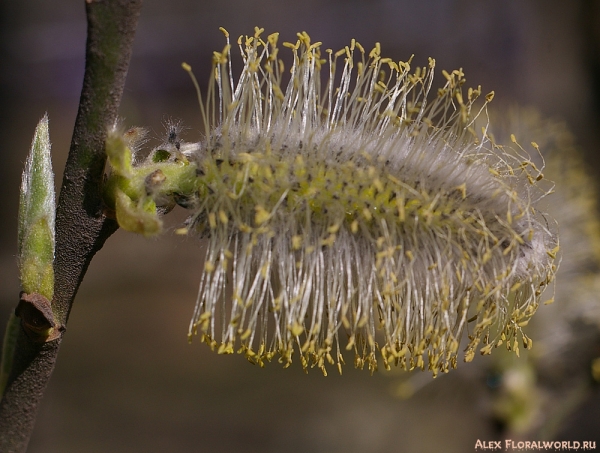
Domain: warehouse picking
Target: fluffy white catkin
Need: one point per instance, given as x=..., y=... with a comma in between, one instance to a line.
x=354, y=207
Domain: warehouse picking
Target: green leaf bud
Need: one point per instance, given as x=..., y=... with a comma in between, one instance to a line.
x=36, y=217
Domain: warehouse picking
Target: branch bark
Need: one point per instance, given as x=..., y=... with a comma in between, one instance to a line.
x=81, y=227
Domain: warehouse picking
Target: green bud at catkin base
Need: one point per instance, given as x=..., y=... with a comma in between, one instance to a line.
x=363, y=214
x=134, y=191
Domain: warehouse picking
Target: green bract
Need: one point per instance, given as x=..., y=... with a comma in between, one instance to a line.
x=134, y=191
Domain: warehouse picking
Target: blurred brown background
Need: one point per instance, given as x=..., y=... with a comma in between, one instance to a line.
x=126, y=379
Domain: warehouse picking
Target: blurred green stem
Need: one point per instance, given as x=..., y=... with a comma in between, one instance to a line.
x=81, y=226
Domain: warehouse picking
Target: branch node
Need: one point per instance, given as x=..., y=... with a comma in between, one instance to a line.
x=37, y=318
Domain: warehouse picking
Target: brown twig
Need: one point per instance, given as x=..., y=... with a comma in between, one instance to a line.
x=81, y=227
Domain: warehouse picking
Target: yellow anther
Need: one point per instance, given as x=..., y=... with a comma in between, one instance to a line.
x=212, y=220
x=296, y=242
x=340, y=52
x=315, y=46
x=376, y=52
x=261, y=215
x=223, y=217
x=291, y=45
x=272, y=38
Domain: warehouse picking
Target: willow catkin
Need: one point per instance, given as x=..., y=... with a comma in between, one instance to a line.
x=358, y=210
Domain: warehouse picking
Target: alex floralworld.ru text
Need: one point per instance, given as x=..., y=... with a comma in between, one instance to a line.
x=540, y=445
